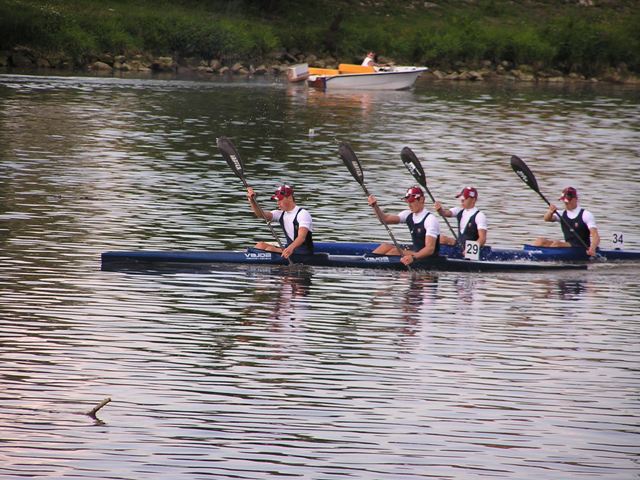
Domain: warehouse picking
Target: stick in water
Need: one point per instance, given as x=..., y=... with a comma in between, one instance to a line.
x=92, y=413
x=353, y=165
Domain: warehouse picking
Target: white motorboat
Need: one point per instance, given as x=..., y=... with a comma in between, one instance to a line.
x=357, y=77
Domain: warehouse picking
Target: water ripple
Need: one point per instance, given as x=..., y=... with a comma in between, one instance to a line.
x=266, y=372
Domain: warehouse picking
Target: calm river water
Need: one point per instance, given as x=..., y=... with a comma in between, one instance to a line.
x=269, y=373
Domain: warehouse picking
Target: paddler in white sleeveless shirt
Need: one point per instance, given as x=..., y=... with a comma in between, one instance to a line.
x=579, y=224
x=423, y=226
x=295, y=221
x=472, y=223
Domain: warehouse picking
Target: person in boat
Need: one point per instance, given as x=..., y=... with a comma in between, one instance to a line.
x=472, y=223
x=370, y=60
x=579, y=224
x=423, y=225
x=296, y=222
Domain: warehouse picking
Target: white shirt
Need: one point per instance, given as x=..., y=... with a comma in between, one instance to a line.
x=431, y=225
x=587, y=216
x=367, y=61
x=304, y=220
x=481, y=219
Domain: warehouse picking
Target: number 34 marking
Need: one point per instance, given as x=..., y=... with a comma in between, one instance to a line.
x=618, y=239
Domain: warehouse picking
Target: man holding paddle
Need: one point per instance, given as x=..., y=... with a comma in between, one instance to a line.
x=295, y=221
x=578, y=225
x=424, y=228
x=472, y=223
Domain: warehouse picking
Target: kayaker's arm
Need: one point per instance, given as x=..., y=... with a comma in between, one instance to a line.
x=298, y=241
x=445, y=212
x=251, y=196
x=426, y=251
x=595, y=242
x=386, y=217
x=548, y=216
x=482, y=236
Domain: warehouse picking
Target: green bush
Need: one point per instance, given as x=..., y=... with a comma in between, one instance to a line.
x=300, y=38
x=578, y=43
x=460, y=40
x=77, y=43
x=22, y=23
x=517, y=45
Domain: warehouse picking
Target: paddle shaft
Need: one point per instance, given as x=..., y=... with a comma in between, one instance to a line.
x=527, y=176
x=380, y=215
x=441, y=214
x=353, y=165
x=414, y=166
x=232, y=157
x=262, y=214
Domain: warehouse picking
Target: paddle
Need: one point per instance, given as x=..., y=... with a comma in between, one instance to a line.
x=233, y=159
x=412, y=163
x=353, y=165
x=527, y=176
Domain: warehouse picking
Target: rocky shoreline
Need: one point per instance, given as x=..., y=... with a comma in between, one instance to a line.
x=279, y=62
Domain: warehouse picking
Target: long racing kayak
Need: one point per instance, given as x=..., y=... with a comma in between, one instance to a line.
x=159, y=260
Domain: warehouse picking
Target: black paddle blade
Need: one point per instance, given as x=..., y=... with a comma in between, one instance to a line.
x=412, y=163
x=524, y=173
x=231, y=156
x=351, y=161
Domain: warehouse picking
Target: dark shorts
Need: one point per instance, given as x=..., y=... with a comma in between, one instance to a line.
x=577, y=244
x=303, y=250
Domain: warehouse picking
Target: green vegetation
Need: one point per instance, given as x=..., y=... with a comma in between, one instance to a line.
x=560, y=35
x=86, y=28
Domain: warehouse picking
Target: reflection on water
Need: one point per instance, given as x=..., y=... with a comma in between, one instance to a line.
x=267, y=372
x=571, y=290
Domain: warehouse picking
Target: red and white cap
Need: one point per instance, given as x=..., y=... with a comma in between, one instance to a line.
x=413, y=193
x=568, y=194
x=468, y=192
x=282, y=192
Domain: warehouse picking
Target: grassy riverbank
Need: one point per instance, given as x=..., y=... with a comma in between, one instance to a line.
x=558, y=36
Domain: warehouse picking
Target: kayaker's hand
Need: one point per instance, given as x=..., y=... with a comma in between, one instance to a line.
x=437, y=207
x=287, y=252
x=251, y=195
x=551, y=213
x=591, y=251
x=372, y=200
x=407, y=259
